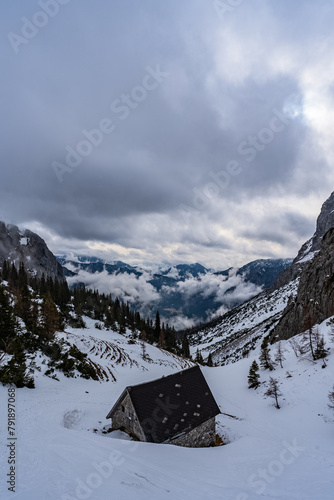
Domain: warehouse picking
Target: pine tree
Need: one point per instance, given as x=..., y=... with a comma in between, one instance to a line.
x=170, y=339
x=265, y=359
x=157, y=327
x=42, y=286
x=162, y=339
x=273, y=390
x=5, y=270
x=254, y=376
x=23, y=307
x=122, y=325
x=185, y=347
x=13, y=277
x=50, y=317
x=15, y=372
x=199, y=358
x=8, y=324
x=209, y=360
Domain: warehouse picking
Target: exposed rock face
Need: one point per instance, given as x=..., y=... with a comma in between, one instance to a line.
x=325, y=222
x=315, y=297
x=27, y=247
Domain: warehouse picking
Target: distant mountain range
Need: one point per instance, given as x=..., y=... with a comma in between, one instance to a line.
x=185, y=294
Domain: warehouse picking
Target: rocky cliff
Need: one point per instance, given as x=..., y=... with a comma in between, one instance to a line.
x=325, y=222
x=315, y=296
x=27, y=247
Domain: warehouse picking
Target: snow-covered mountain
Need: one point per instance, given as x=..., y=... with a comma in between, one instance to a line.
x=18, y=245
x=184, y=294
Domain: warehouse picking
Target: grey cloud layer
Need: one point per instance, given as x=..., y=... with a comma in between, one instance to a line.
x=226, y=76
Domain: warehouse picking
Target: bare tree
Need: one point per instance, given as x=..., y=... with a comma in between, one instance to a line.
x=331, y=398
x=143, y=347
x=331, y=333
x=279, y=355
x=274, y=391
x=296, y=347
x=313, y=342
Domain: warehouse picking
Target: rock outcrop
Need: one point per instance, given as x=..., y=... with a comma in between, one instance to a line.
x=325, y=222
x=315, y=296
x=25, y=246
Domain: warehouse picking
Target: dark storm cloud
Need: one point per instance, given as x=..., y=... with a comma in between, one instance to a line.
x=227, y=77
x=281, y=228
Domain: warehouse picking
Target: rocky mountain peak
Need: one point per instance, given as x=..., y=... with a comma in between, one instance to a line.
x=25, y=246
x=325, y=222
x=309, y=249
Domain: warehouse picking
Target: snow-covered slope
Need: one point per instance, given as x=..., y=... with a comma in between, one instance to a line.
x=112, y=354
x=233, y=335
x=62, y=452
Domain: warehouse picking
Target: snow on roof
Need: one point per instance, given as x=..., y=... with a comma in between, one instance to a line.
x=187, y=403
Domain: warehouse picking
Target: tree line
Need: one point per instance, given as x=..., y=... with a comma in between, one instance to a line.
x=33, y=308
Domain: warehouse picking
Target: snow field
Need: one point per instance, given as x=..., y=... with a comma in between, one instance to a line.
x=284, y=454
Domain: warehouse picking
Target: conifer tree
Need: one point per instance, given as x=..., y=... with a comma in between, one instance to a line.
x=199, y=357
x=162, y=339
x=15, y=372
x=185, y=347
x=170, y=339
x=209, y=360
x=265, y=359
x=157, y=327
x=42, y=286
x=13, y=277
x=254, y=376
x=5, y=270
x=8, y=324
x=50, y=317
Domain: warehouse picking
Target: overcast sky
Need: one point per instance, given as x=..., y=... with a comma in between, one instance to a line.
x=216, y=126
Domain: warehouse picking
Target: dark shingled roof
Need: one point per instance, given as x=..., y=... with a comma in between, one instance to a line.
x=172, y=405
